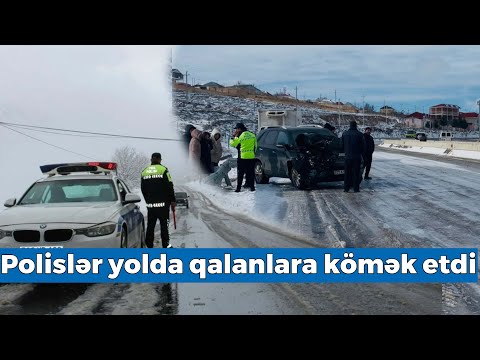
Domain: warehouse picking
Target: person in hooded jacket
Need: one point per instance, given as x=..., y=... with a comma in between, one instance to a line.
x=216, y=155
x=195, y=148
x=187, y=136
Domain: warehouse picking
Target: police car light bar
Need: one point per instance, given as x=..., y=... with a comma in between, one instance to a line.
x=67, y=168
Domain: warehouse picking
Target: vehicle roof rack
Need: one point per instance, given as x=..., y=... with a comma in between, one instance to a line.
x=272, y=126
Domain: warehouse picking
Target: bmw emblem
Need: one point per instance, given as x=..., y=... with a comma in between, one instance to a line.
x=43, y=226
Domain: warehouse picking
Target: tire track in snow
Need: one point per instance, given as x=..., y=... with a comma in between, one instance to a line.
x=147, y=299
x=88, y=302
x=219, y=222
x=11, y=295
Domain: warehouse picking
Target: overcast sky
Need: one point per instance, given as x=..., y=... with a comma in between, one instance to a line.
x=408, y=78
x=107, y=89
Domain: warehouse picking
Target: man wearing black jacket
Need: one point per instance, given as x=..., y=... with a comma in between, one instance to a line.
x=157, y=189
x=353, y=143
x=369, y=149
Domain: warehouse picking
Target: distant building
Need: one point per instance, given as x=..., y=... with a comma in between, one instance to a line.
x=387, y=110
x=447, y=111
x=176, y=75
x=472, y=120
x=415, y=120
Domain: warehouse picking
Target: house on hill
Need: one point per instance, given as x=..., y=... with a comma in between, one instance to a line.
x=387, y=110
x=415, y=120
x=176, y=75
x=447, y=111
x=472, y=120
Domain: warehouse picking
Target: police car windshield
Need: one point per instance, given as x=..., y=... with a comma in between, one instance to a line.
x=70, y=191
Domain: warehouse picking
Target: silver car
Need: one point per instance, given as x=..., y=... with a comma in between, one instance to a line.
x=81, y=205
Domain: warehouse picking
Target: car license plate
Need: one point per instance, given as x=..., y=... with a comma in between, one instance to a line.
x=338, y=172
x=41, y=247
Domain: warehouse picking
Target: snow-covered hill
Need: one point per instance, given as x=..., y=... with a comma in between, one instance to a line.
x=207, y=111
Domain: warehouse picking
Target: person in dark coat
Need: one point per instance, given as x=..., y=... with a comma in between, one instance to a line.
x=205, y=153
x=353, y=144
x=369, y=149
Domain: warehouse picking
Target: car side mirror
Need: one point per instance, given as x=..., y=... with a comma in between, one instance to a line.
x=131, y=198
x=10, y=202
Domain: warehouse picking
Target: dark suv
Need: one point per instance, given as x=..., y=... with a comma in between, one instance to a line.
x=182, y=198
x=305, y=154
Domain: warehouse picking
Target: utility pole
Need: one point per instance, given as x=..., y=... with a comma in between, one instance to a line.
x=385, y=108
x=363, y=111
x=338, y=111
x=186, y=82
x=296, y=98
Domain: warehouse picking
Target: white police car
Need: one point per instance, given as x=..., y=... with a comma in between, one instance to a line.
x=78, y=205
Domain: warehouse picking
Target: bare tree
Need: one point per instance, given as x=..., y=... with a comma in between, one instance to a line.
x=130, y=164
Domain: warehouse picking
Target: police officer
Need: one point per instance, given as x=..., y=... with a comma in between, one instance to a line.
x=157, y=189
x=246, y=160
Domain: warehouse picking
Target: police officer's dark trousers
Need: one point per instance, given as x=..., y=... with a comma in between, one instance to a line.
x=154, y=214
x=246, y=167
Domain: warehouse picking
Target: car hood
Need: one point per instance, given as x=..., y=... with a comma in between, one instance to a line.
x=58, y=213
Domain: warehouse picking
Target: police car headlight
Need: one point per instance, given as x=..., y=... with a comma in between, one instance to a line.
x=2, y=234
x=98, y=230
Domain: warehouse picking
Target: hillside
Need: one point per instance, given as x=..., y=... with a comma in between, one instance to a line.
x=207, y=111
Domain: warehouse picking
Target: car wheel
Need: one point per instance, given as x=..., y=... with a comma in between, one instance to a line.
x=124, y=238
x=187, y=205
x=260, y=176
x=298, y=180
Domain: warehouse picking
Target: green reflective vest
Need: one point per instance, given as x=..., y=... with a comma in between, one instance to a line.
x=248, y=144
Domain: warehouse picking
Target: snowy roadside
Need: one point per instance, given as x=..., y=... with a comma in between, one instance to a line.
x=464, y=154
x=244, y=202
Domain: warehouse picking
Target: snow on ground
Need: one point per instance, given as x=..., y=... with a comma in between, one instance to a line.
x=465, y=154
x=468, y=154
x=245, y=202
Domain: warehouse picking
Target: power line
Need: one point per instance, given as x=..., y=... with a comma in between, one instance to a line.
x=58, y=147
x=88, y=132
x=57, y=133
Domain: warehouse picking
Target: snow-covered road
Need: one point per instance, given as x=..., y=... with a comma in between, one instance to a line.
x=411, y=201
